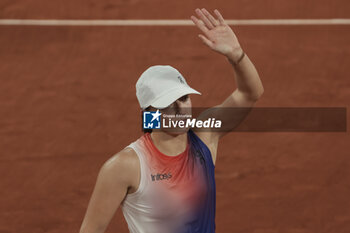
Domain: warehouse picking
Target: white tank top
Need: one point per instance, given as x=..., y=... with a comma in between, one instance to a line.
x=172, y=192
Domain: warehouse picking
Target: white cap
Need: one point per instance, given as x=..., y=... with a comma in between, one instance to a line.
x=159, y=86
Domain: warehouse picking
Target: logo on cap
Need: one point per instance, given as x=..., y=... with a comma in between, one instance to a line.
x=151, y=120
x=181, y=79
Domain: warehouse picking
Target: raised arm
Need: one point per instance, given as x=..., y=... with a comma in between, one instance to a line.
x=114, y=181
x=218, y=36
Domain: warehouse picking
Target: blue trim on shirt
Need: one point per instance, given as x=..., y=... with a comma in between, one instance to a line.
x=206, y=216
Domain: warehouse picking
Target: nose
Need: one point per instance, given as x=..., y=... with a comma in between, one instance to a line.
x=180, y=104
x=183, y=107
x=183, y=104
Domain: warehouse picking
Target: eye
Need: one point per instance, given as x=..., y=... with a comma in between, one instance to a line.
x=183, y=98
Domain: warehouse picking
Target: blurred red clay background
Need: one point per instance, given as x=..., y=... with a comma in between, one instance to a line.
x=67, y=104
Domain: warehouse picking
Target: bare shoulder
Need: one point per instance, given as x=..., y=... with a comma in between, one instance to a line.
x=125, y=159
x=122, y=168
x=113, y=184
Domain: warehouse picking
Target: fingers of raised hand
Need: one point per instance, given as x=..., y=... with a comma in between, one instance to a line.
x=221, y=19
x=204, y=18
x=212, y=20
x=200, y=24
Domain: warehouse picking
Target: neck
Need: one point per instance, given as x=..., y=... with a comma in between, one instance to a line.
x=169, y=144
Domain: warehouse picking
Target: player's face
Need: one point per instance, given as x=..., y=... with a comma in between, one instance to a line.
x=181, y=109
x=181, y=106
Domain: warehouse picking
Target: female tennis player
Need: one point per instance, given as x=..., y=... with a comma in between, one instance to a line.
x=164, y=181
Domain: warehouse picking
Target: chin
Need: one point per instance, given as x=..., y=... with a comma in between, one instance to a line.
x=176, y=131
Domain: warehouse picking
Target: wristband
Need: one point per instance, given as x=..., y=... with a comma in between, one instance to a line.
x=239, y=59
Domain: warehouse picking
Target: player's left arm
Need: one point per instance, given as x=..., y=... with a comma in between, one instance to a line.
x=218, y=36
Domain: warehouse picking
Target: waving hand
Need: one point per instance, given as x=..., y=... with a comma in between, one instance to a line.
x=217, y=35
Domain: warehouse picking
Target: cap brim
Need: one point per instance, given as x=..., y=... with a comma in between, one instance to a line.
x=171, y=96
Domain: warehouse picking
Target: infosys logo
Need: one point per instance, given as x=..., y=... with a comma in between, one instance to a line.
x=155, y=120
x=165, y=176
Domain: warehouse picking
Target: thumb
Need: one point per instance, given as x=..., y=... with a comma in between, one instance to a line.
x=206, y=41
